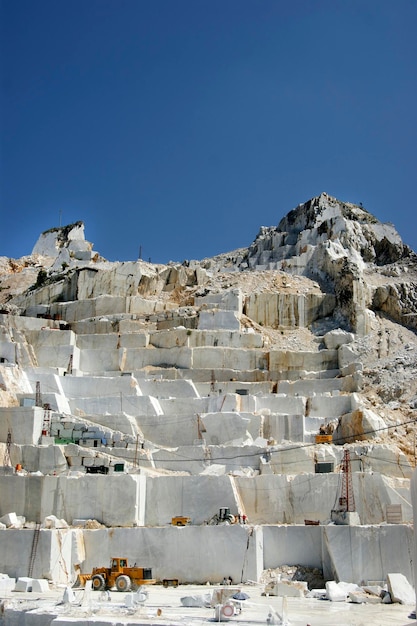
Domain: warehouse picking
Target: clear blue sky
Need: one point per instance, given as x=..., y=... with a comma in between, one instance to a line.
x=182, y=126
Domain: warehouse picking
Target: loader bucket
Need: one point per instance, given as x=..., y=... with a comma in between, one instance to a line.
x=81, y=580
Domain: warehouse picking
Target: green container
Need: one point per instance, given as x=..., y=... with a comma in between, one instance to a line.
x=119, y=467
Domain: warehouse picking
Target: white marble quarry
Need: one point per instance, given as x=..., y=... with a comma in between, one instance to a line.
x=7, y=584
x=142, y=307
x=127, y=326
x=326, y=405
x=131, y=359
x=308, y=387
x=170, y=430
x=45, y=459
x=50, y=380
x=23, y=583
x=131, y=499
x=284, y=360
x=196, y=338
x=240, y=454
x=14, y=379
x=177, y=406
x=288, y=309
x=180, y=553
x=50, y=241
x=339, y=592
x=359, y=422
x=369, y=553
x=25, y=424
x=378, y=458
x=40, y=585
x=228, y=358
x=98, y=341
x=99, y=361
x=197, y=496
x=188, y=459
x=7, y=351
x=160, y=388
x=227, y=300
x=224, y=320
x=336, y=338
x=284, y=427
x=57, y=355
x=23, y=323
x=50, y=338
x=277, y=545
x=347, y=356
x=96, y=386
x=9, y=519
x=200, y=414
x=400, y=589
x=134, y=340
x=413, y=494
x=119, y=499
x=281, y=403
x=224, y=427
x=242, y=388
x=56, y=553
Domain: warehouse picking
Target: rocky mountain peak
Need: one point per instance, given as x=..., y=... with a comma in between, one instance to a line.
x=325, y=227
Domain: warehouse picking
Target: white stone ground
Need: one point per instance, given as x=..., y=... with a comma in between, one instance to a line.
x=164, y=608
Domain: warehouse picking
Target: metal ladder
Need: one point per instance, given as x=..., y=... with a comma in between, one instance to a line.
x=34, y=549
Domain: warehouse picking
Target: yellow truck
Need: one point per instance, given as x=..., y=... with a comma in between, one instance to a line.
x=118, y=575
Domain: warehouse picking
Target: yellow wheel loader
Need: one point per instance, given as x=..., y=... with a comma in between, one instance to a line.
x=118, y=575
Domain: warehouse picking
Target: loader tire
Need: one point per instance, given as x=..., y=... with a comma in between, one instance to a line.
x=123, y=583
x=98, y=582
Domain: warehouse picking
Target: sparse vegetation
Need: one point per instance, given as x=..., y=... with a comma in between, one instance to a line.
x=41, y=279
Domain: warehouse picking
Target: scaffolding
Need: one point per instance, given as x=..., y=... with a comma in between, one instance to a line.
x=347, y=498
x=344, y=511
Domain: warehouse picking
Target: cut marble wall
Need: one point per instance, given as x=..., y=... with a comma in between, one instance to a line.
x=197, y=554
x=24, y=423
x=369, y=553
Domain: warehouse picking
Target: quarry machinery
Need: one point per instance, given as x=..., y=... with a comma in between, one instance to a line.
x=180, y=520
x=223, y=516
x=345, y=512
x=325, y=434
x=118, y=575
